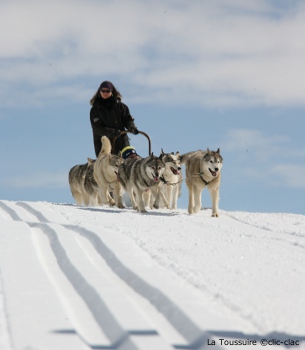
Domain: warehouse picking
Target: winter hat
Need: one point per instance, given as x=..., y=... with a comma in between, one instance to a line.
x=106, y=84
x=128, y=151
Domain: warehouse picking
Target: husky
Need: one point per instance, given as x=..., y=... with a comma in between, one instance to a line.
x=140, y=177
x=91, y=186
x=76, y=181
x=105, y=174
x=202, y=169
x=171, y=179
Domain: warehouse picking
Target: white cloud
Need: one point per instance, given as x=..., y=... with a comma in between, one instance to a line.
x=227, y=53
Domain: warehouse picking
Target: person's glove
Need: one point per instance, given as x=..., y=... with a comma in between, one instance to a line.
x=116, y=132
x=134, y=130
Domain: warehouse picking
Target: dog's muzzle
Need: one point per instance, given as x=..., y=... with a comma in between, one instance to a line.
x=175, y=171
x=214, y=173
x=156, y=177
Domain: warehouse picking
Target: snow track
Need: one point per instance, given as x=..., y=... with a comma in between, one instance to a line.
x=101, y=278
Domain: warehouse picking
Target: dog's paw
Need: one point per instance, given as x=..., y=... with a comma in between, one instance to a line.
x=215, y=215
x=196, y=209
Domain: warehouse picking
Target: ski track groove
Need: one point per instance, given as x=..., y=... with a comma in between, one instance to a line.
x=10, y=212
x=195, y=337
x=95, y=304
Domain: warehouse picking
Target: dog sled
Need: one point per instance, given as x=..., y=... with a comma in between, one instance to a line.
x=129, y=132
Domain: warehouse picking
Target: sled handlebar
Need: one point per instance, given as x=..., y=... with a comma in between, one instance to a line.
x=129, y=132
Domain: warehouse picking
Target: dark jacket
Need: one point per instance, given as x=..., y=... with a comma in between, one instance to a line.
x=108, y=117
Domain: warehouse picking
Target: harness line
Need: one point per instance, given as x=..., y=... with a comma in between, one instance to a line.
x=176, y=183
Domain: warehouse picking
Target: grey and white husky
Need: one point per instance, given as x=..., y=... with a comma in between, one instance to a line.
x=140, y=178
x=76, y=181
x=171, y=180
x=82, y=185
x=203, y=169
x=91, y=186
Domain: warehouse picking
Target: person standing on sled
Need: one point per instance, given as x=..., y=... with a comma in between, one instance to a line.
x=109, y=116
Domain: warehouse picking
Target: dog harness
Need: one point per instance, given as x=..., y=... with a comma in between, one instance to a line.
x=205, y=182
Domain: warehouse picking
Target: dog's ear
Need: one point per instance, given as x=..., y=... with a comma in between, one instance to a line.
x=208, y=150
x=120, y=154
x=218, y=151
x=162, y=152
x=178, y=153
x=207, y=156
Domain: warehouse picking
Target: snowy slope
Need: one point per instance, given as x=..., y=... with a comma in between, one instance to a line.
x=76, y=278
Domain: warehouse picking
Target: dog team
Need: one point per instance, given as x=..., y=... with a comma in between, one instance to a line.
x=151, y=182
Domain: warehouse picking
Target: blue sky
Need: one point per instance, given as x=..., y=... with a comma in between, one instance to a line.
x=195, y=74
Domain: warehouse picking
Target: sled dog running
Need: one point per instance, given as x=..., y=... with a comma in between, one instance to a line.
x=105, y=174
x=141, y=178
x=77, y=176
x=91, y=186
x=171, y=180
x=202, y=169
x=83, y=187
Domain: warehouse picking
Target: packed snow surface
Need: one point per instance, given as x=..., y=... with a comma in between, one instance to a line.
x=81, y=278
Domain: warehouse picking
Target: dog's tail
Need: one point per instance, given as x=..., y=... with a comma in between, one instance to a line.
x=185, y=157
x=106, y=146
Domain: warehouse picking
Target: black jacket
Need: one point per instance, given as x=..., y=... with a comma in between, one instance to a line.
x=107, y=116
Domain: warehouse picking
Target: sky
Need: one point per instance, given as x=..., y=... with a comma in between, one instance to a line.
x=195, y=74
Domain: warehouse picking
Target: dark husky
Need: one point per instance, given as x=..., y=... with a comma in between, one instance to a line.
x=141, y=178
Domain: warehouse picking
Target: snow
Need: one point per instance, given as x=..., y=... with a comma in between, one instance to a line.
x=80, y=278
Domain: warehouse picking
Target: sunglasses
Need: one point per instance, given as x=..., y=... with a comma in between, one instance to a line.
x=106, y=91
